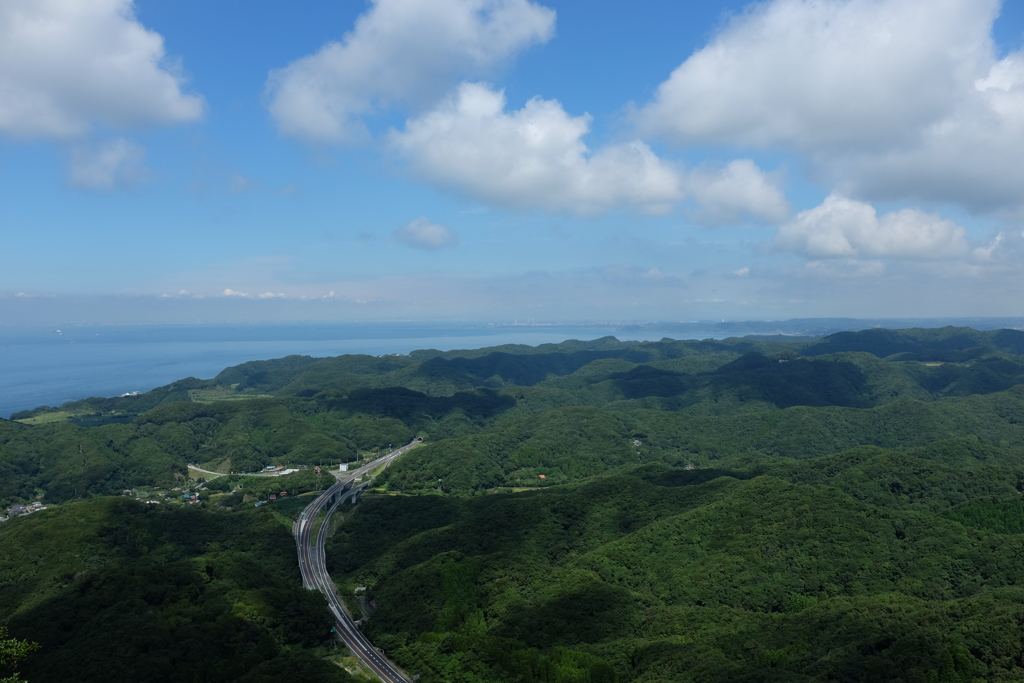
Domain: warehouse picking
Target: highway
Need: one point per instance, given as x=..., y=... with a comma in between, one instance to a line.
x=313, y=564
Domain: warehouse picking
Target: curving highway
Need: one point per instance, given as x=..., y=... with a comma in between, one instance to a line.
x=313, y=564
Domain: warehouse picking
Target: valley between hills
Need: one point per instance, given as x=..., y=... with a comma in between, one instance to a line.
x=844, y=508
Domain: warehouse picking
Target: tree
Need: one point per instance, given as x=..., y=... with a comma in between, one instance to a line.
x=13, y=651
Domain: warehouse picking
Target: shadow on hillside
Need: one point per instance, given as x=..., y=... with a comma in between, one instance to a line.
x=588, y=613
x=521, y=370
x=683, y=477
x=408, y=405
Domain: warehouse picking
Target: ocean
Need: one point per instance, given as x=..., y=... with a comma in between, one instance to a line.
x=51, y=365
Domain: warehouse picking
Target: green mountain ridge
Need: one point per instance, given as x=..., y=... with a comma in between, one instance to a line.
x=846, y=508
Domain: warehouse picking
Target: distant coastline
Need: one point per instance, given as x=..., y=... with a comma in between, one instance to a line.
x=50, y=365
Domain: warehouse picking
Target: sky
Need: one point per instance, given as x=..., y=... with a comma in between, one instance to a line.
x=509, y=160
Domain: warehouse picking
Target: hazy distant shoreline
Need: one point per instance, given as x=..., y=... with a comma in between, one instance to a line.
x=50, y=365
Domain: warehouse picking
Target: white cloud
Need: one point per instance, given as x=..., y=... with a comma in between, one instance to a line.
x=532, y=158
x=846, y=228
x=726, y=195
x=114, y=164
x=971, y=157
x=66, y=65
x=990, y=251
x=886, y=99
x=399, y=51
x=826, y=73
x=423, y=234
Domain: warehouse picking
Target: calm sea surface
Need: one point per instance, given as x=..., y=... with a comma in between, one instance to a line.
x=49, y=365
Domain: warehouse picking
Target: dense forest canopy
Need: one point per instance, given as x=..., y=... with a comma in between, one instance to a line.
x=845, y=508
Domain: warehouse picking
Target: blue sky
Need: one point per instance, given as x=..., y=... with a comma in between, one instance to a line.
x=168, y=161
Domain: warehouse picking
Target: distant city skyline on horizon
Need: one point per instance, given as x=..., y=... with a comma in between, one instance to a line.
x=510, y=159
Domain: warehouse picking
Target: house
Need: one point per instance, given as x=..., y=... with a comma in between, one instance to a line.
x=282, y=494
x=18, y=510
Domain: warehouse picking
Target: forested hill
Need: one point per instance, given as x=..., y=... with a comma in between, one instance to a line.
x=695, y=399
x=846, y=508
x=117, y=590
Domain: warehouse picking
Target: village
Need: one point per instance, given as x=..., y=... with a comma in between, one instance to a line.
x=199, y=486
x=19, y=510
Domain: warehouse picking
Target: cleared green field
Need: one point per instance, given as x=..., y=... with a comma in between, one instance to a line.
x=222, y=393
x=46, y=418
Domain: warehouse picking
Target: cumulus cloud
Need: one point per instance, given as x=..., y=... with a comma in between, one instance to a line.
x=66, y=65
x=817, y=73
x=972, y=156
x=532, y=158
x=849, y=229
x=423, y=234
x=399, y=51
x=114, y=164
x=739, y=189
x=887, y=99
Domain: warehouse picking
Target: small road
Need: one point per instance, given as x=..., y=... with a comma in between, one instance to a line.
x=313, y=563
x=241, y=474
x=337, y=473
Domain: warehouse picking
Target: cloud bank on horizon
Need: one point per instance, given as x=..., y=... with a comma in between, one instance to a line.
x=795, y=157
